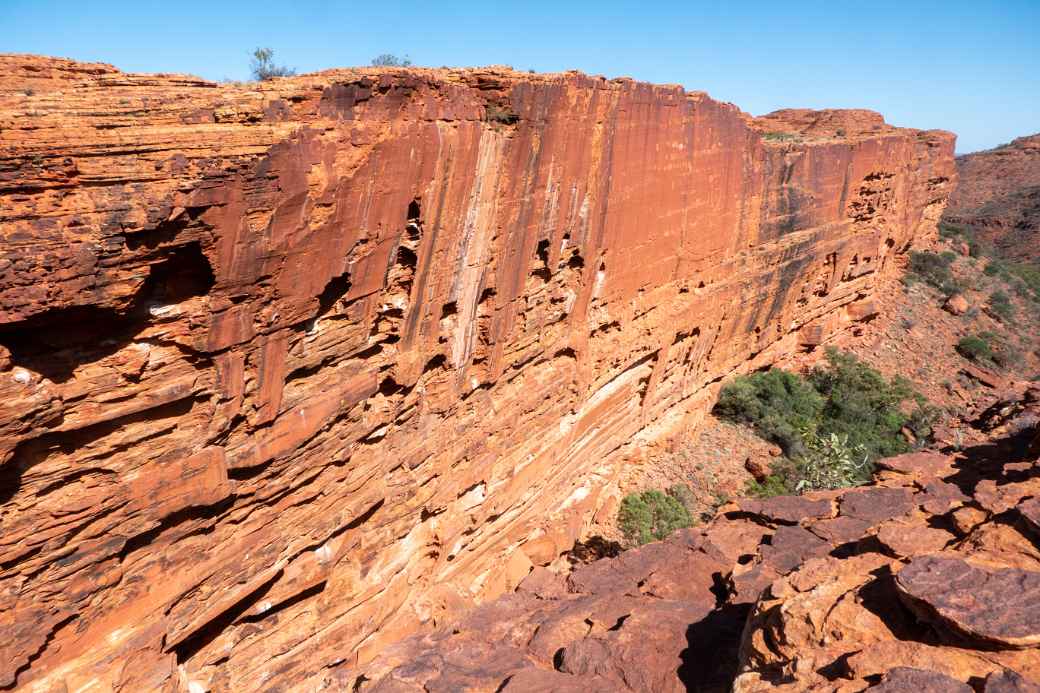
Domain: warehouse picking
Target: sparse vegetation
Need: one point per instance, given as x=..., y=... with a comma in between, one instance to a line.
x=263, y=67
x=778, y=404
x=832, y=462
x=1000, y=306
x=1022, y=277
x=934, y=269
x=391, y=60
x=832, y=425
x=976, y=348
x=501, y=114
x=651, y=515
x=989, y=349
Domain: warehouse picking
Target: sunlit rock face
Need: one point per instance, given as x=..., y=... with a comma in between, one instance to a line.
x=998, y=197
x=292, y=369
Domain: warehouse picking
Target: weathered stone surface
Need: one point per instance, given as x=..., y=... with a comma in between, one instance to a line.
x=791, y=546
x=1030, y=512
x=292, y=369
x=1008, y=681
x=957, y=304
x=999, y=196
x=787, y=509
x=925, y=464
x=873, y=505
x=903, y=679
x=907, y=539
x=611, y=635
x=1000, y=607
x=832, y=621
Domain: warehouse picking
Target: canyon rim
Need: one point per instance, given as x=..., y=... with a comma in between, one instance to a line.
x=292, y=370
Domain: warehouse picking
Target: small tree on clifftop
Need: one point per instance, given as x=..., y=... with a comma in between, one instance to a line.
x=264, y=69
x=391, y=60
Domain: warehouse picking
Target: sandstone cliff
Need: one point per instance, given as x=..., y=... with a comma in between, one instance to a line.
x=291, y=369
x=927, y=580
x=998, y=196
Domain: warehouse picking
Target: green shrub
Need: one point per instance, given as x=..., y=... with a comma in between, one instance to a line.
x=264, y=69
x=684, y=494
x=976, y=348
x=391, y=60
x=833, y=424
x=862, y=405
x=1029, y=275
x=832, y=462
x=776, y=403
x=644, y=517
x=989, y=349
x=923, y=418
x=772, y=485
x=934, y=270
x=995, y=268
x=1000, y=305
x=784, y=476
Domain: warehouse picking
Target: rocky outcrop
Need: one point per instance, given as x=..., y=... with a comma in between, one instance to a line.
x=998, y=195
x=291, y=369
x=926, y=580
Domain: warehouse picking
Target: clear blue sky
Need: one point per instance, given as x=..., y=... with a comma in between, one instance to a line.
x=971, y=67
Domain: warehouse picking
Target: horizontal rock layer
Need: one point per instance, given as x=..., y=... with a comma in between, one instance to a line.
x=290, y=369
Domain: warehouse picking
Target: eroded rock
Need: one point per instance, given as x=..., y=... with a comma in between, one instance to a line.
x=996, y=606
x=294, y=369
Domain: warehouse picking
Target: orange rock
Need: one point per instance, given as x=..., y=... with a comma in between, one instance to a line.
x=997, y=196
x=957, y=304
x=300, y=366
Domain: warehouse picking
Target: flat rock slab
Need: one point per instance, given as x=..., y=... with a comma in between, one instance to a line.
x=906, y=539
x=790, y=547
x=1008, y=681
x=788, y=510
x=840, y=530
x=873, y=505
x=904, y=679
x=939, y=497
x=1030, y=512
x=924, y=464
x=998, y=498
x=996, y=607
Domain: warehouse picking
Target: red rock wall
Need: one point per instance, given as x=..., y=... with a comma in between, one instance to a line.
x=998, y=197
x=291, y=368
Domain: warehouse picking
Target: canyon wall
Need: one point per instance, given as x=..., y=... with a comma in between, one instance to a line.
x=291, y=369
x=998, y=197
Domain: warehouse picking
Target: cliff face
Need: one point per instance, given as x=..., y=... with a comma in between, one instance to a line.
x=998, y=195
x=925, y=580
x=291, y=368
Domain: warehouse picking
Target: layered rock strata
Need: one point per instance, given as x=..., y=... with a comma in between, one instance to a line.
x=998, y=196
x=290, y=369
x=926, y=580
